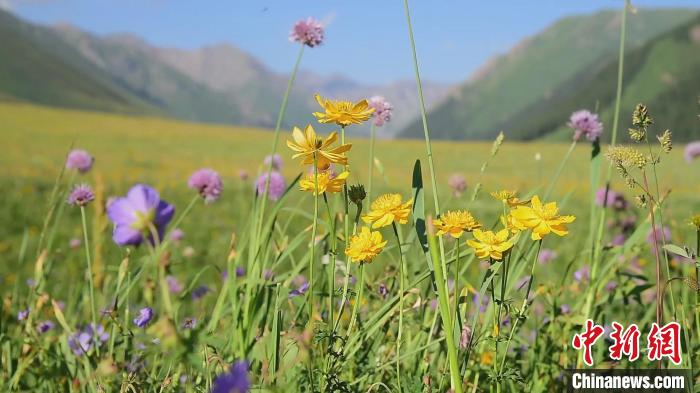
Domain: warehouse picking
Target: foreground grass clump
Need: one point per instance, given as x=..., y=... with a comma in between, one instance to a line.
x=159, y=265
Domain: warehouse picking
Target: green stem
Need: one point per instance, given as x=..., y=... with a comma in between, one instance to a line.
x=88, y=258
x=356, y=306
x=370, y=168
x=456, y=318
x=557, y=174
x=402, y=289
x=523, y=307
x=275, y=142
x=444, y=307
x=426, y=132
x=314, y=227
x=331, y=275
x=590, y=294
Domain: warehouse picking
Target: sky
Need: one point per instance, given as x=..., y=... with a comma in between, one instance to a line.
x=366, y=40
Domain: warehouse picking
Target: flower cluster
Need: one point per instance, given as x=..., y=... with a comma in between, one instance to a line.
x=585, y=124
x=382, y=110
x=79, y=160
x=307, y=32
x=208, y=183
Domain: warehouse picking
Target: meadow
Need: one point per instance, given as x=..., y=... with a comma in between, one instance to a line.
x=473, y=269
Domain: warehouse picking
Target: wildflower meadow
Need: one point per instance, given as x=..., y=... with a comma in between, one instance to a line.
x=307, y=260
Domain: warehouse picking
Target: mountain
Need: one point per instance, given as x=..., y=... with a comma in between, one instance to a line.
x=664, y=74
x=573, y=55
x=64, y=66
x=38, y=66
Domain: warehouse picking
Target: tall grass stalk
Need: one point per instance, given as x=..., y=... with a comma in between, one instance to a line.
x=439, y=273
x=275, y=142
x=88, y=259
x=370, y=167
x=402, y=289
x=597, y=243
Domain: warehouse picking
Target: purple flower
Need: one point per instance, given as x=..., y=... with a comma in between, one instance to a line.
x=44, y=326
x=692, y=151
x=81, y=195
x=619, y=240
x=79, y=160
x=275, y=160
x=240, y=271
x=582, y=274
x=82, y=341
x=276, y=187
x=144, y=317
x=177, y=235
x=662, y=234
x=610, y=286
x=23, y=314
x=383, y=290
x=585, y=123
x=613, y=199
x=465, y=337
x=307, y=32
x=299, y=291
x=189, y=323
x=481, y=301
x=565, y=309
x=136, y=214
x=75, y=243
x=173, y=284
x=546, y=256
x=457, y=183
x=235, y=381
x=268, y=274
x=243, y=174
x=382, y=110
x=199, y=292
x=208, y=183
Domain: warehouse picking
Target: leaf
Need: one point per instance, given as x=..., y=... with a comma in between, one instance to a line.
x=674, y=249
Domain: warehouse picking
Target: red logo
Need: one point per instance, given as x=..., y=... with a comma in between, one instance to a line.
x=586, y=340
x=665, y=342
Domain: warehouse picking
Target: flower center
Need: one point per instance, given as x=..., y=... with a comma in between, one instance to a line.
x=143, y=219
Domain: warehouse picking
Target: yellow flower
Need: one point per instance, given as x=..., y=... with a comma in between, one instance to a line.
x=343, y=113
x=508, y=197
x=455, y=223
x=326, y=182
x=510, y=223
x=307, y=144
x=365, y=245
x=695, y=221
x=387, y=209
x=541, y=218
x=489, y=244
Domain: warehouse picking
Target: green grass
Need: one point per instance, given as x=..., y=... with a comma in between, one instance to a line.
x=163, y=153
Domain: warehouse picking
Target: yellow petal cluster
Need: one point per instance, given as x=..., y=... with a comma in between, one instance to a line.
x=508, y=197
x=365, y=246
x=326, y=182
x=541, y=218
x=307, y=144
x=343, y=113
x=387, y=209
x=487, y=244
x=455, y=223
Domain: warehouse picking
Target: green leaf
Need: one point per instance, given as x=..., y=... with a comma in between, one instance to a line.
x=678, y=250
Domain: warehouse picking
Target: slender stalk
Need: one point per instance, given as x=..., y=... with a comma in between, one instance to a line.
x=331, y=275
x=314, y=228
x=88, y=258
x=358, y=299
x=557, y=174
x=370, y=168
x=275, y=141
x=590, y=295
x=523, y=307
x=444, y=307
x=456, y=318
x=655, y=249
x=426, y=132
x=402, y=289
x=346, y=282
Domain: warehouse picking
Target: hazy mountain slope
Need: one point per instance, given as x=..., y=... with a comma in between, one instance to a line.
x=664, y=74
x=39, y=67
x=533, y=70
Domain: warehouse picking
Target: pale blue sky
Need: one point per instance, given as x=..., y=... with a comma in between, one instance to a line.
x=366, y=39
